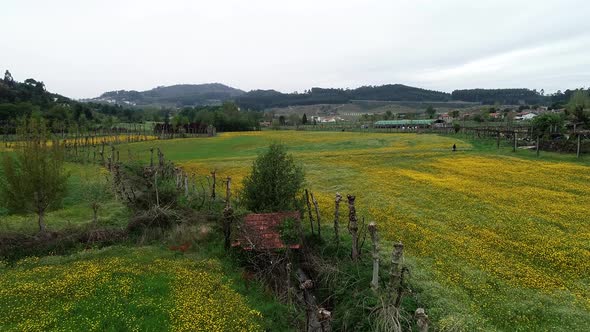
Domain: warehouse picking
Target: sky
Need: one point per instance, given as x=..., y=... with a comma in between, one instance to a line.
x=83, y=48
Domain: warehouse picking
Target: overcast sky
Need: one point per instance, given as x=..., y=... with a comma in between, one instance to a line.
x=83, y=48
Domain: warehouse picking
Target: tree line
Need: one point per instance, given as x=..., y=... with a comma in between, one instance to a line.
x=263, y=99
x=20, y=100
x=556, y=100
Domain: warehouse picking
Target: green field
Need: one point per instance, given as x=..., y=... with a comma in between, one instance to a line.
x=75, y=210
x=495, y=241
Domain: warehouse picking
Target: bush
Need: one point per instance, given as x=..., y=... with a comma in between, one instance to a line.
x=274, y=182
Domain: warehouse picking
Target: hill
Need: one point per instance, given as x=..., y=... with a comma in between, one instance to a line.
x=501, y=96
x=263, y=99
x=176, y=95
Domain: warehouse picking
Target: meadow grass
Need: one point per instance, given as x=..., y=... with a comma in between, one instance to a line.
x=74, y=211
x=496, y=240
x=129, y=289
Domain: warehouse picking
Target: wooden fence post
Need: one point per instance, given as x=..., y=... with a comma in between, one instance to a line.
x=309, y=210
x=336, y=218
x=227, y=215
x=579, y=143
x=186, y=185
x=317, y=214
x=514, y=148
x=421, y=320
x=353, y=227
x=373, y=231
x=397, y=257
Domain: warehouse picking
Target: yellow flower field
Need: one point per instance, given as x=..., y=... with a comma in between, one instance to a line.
x=496, y=240
x=121, y=289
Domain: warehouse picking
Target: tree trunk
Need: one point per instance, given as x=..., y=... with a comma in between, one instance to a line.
x=309, y=210
x=227, y=215
x=95, y=214
x=213, y=185
x=151, y=157
x=336, y=218
x=317, y=214
x=42, y=226
x=353, y=227
x=373, y=231
x=156, y=187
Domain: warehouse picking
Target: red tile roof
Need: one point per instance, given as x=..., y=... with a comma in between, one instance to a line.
x=260, y=231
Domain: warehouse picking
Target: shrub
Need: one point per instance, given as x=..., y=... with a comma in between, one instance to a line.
x=274, y=181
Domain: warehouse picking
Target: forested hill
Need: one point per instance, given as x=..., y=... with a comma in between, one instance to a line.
x=18, y=99
x=501, y=96
x=174, y=95
x=262, y=99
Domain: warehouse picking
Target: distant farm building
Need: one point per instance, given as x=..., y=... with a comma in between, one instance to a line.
x=403, y=123
x=326, y=119
x=525, y=116
x=261, y=231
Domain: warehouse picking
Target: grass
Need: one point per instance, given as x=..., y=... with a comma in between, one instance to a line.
x=129, y=289
x=496, y=240
x=75, y=211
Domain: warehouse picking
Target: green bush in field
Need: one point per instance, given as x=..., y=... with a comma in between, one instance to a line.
x=274, y=181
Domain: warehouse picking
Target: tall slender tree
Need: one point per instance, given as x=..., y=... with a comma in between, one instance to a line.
x=35, y=179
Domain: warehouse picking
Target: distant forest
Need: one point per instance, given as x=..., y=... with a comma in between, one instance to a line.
x=30, y=98
x=263, y=99
x=215, y=94
x=190, y=103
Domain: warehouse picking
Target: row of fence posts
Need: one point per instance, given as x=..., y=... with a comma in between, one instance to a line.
x=394, y=290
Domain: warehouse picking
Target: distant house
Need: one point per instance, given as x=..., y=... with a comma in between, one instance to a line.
x=444, y=118
x=261, y=231
x=326, y=119
x=525, y=116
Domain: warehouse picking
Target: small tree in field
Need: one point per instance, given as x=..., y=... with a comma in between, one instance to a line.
x=35, y=179
x=96, y=191
x=274, y=182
